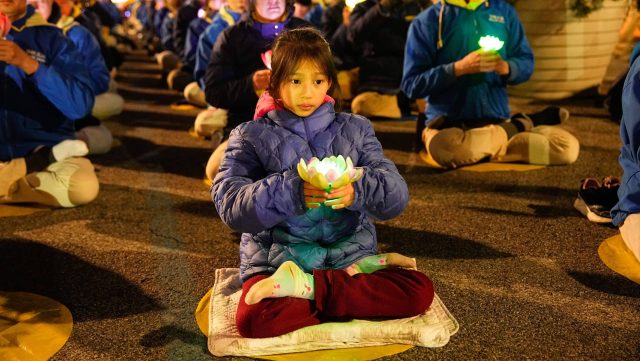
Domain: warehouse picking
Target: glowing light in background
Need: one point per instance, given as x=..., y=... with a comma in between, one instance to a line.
x=352, y=3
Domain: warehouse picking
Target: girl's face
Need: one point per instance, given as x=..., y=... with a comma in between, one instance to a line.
x=304, y=90
x=270, y=10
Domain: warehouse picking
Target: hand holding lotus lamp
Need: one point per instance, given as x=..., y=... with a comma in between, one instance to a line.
x=329, y=173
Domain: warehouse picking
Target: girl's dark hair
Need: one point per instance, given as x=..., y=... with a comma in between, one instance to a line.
x=291, y=48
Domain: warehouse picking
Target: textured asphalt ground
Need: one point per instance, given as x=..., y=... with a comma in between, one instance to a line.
x=509, y=256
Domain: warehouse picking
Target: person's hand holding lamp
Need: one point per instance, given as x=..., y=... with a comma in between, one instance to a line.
x=328, y=181
x=484, y=60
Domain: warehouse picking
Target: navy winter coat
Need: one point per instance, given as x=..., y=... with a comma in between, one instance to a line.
x=234, y=59
x=258, y=191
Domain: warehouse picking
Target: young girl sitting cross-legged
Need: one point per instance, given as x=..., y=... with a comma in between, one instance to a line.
x=308, y=253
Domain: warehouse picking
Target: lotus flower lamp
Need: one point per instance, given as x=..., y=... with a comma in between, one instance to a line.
x=330, y=172
x=490, y=43
x=266, y=58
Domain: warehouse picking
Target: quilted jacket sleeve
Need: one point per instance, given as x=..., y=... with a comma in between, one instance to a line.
x=381, y=192
x=247, y=199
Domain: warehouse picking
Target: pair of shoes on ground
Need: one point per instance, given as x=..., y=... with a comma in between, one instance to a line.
x=596, y=199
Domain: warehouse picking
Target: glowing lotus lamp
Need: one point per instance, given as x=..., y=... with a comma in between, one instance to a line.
x=352, y=3
x=331, y=172
x=266, y=58
x=490, y=43
x=5, y=25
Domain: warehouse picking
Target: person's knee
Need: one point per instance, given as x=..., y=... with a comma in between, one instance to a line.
x=210, y=120
x=423, y=293
x=213, y=165
x=448, y=148
x=564, y=147
x=372, y=104
x=83, y=184
x=194, y=95
x=98, y=138
x=107, y=105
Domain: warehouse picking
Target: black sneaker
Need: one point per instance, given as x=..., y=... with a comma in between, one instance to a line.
x=595, y=201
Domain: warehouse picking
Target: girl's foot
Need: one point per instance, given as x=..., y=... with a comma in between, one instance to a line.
x=288, y=281
x=374, y=263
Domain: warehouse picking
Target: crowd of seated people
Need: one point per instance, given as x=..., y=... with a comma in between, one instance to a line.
x=388, y=53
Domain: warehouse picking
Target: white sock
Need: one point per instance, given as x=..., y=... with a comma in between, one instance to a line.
x=69, y=148
x=288, y=281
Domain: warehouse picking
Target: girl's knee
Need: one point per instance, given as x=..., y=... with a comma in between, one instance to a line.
x=423, y=293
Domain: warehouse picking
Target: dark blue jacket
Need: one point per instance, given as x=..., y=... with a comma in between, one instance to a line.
x=89, y=47
x=37, y=109
x=629, y=191
x=258, y=191
x=196, y=28
x=428, y=69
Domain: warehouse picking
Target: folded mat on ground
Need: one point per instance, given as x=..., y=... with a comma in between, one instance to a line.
x=431, y=329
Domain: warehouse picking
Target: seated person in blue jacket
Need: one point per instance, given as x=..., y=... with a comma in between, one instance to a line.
x=168, y=58
x=379, y=28
x=468, y=116
x=43, y=86
x=236, y=74
x=89, y=128
x=191, y=20
x=308, y=252
x=211, y=121
x=626, y=214
x=199, y=48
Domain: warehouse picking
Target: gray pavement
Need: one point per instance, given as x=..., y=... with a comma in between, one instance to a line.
x=509, y=256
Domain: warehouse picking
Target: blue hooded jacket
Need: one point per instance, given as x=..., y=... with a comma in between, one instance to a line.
x=223, y=19
x=428, y=67
x=629, y=191
x=38, y=109
x=258, y=191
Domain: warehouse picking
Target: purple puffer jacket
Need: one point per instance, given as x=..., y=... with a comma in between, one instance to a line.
x=259, y=192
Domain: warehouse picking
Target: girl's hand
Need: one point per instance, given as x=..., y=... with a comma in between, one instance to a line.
x=341, y=197
x=314, y=197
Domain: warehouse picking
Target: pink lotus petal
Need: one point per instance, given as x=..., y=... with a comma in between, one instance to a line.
x=331, y=175
x=266, y=58
x=5, y=25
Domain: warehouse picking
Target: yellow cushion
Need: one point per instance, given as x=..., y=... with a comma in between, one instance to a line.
x=483, y=167
x=32, y=327
x=347, y=354
x=617, y=256
x=13, y=210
